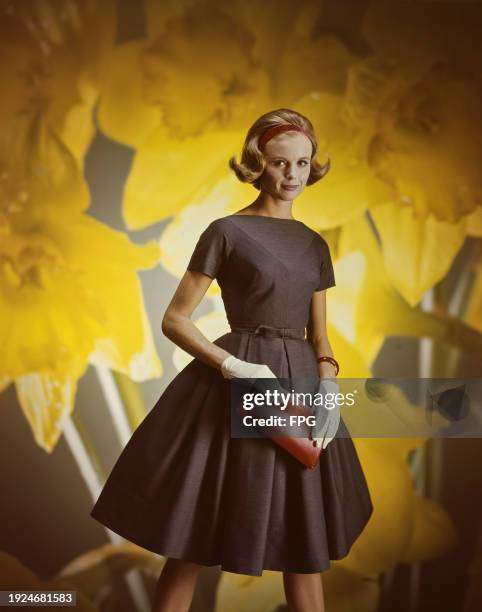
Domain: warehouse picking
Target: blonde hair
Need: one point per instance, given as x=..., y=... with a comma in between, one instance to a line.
x=252, y=164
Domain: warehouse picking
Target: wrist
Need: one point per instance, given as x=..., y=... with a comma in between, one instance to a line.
x=324, y=360
x=228, y=366
x=327, y=370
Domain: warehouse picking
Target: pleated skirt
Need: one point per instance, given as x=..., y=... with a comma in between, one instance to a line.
x=184, y=488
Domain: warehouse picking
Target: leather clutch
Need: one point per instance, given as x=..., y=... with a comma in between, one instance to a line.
x=303, y=449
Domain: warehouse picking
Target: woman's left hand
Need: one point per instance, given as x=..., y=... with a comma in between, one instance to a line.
x=327, y=419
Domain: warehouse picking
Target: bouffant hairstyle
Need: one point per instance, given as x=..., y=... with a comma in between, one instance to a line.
x=253, y=163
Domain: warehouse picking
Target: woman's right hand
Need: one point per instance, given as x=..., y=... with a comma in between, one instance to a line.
x=232, y=367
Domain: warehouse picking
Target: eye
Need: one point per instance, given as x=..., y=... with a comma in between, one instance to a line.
x=277, y=162
x=304, y=162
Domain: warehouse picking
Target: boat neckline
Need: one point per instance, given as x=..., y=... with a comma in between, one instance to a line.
x=265, y=217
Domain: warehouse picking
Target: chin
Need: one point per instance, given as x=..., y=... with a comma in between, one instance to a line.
x=287, y=196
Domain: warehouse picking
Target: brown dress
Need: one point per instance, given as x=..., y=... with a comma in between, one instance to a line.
x=183, y=487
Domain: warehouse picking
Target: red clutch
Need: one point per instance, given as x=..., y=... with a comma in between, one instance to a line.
x=301, y=448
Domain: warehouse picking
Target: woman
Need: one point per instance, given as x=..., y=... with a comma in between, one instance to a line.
x=183, y=487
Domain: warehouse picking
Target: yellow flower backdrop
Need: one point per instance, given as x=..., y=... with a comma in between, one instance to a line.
x=400, y=123
x=64, y=289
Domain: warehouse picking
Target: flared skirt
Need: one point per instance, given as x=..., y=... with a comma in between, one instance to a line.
x=184, y=488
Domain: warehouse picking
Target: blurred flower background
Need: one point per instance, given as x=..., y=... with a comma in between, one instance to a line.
x=117, y=119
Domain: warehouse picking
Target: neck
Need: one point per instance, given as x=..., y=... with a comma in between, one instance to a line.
x=266, y=204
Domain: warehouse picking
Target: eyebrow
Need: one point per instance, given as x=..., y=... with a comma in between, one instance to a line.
x=284, y=158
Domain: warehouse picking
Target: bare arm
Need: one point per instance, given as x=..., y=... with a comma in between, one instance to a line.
x=177, y=324
x=317, y=334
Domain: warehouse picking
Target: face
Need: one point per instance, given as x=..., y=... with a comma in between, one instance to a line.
x=288, y=157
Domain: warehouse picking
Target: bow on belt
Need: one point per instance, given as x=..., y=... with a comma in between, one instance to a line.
x=268, y=330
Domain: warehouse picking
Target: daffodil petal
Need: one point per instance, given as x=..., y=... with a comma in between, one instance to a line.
x=166, y=173
x=123, y=114
x=46, y=402
x=418, y=252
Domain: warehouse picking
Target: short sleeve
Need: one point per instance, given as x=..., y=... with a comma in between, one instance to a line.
x=210, y=250
x=327, y=274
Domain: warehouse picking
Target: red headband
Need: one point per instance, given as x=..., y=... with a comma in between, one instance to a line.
x=276, y=129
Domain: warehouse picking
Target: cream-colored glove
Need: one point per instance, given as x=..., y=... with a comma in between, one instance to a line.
x=327, y=419
x=232, y=367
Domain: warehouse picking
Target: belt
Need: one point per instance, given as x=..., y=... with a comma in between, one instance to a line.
x=267, y=330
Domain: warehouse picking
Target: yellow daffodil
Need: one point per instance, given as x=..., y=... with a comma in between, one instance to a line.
x=52, y=64
x=190, y=146
x=69, y=290
x=366, y=308
x=184, y=65
x=420, y=228
x=69, y=293
x=425, y=146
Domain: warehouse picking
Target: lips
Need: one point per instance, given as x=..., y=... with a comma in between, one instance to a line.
x=290, y=186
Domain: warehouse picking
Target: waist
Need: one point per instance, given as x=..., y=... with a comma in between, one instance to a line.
x=268, y=330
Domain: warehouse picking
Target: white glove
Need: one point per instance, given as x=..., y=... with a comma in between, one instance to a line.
x=232, y=367
x=327, y=419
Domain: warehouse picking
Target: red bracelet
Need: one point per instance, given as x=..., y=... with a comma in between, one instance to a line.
x=331, y=360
